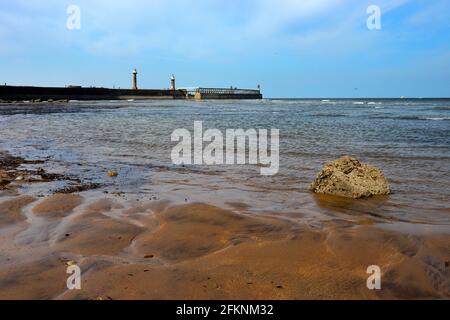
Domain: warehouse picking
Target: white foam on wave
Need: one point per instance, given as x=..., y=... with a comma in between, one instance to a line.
x=438, y=119
x=285, y=102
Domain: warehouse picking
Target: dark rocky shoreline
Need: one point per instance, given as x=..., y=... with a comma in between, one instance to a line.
x=34, y=101
x=12, y=175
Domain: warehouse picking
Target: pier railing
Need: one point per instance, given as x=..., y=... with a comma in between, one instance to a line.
x=222, y=91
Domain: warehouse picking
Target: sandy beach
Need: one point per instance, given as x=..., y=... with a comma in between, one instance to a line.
x=162, y=250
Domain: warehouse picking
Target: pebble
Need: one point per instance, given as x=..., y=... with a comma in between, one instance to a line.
x=112, y=173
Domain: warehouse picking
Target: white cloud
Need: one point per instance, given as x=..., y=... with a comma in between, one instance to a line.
x=198, y=29
x=273, y=15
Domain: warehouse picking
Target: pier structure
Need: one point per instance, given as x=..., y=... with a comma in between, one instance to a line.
x=223, y=93
x=42, y=94
x=135, y=87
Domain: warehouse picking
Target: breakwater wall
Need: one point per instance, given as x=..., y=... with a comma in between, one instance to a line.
x=19, y=93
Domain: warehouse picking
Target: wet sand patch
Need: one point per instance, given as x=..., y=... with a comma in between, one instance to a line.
x=315, y=264
x=57, y=205
x=11, y=210
x=94, y=233
x=41, y=279
x=195, y=230
x=199, y=251
x=305, y=268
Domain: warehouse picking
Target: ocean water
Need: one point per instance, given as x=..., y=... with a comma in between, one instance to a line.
x=408, y=139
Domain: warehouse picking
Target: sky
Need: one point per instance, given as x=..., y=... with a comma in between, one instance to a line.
x=292, y=48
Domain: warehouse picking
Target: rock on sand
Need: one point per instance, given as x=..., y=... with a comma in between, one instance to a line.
x=347, y=177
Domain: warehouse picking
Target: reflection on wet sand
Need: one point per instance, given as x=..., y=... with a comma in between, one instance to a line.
x=160, y=250
x=368, y=209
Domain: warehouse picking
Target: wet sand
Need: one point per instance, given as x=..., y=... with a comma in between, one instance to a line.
x=168, y=249
x=160, y=250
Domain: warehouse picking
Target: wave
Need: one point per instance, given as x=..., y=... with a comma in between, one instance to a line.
x=412, y=118
x=437, y=118
x=441, y=108
x=286, y=102
x=330, y=115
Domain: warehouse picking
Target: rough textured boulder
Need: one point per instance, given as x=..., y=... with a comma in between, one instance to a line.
x=348, y=177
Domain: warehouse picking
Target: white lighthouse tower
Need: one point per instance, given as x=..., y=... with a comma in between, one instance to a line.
x=135, y=73
x=172, y=82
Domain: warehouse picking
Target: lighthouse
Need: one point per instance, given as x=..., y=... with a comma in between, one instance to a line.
x=172, y=83
x=135, y=79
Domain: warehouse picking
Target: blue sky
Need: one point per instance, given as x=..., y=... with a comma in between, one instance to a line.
x=292, y=48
